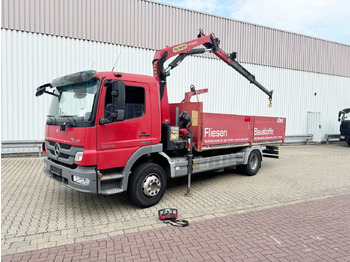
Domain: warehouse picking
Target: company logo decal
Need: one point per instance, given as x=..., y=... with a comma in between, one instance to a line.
x=179, y=48
x=280, y=120
x=57, y=149
x=109, y=146
x=263, y=132
x=75, y=140
x=209, y=132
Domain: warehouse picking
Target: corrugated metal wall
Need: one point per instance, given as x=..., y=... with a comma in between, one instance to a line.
x=29, y=60
x=152, y=25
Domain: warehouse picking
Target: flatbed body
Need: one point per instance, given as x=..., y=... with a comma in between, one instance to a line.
x=221, y=131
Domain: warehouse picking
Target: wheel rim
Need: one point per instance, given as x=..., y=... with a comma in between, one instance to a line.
x=151, y=185
x=254, y=162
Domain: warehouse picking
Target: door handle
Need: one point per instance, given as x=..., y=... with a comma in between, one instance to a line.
x=144, y=134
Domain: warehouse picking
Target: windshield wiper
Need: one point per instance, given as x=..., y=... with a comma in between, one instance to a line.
x=54, y=121
x=70, y=118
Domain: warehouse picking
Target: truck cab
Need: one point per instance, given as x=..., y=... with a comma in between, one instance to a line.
x=98, y=125
x=344, y=119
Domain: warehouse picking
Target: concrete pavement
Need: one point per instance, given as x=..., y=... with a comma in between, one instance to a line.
x=38, y=213
x=310, y=231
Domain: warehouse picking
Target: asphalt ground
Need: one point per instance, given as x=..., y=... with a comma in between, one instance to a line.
x=39, y=215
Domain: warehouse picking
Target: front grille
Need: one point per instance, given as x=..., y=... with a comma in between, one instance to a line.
x=65, y=156
x=66, y=152
x=62, y=155
x=64, y=146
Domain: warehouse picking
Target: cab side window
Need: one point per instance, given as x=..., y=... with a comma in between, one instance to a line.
x=134, y=102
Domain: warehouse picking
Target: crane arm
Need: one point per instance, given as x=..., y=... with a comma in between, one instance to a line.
x=211, y=44
x=230, y=60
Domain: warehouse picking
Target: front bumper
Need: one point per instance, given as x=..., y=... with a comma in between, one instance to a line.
x=64, y=175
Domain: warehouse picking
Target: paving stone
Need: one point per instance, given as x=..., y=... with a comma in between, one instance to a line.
x=47, y=244
x=35, y=207
x=17, y=244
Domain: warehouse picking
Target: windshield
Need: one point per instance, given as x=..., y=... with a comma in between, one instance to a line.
x=346, y=117
x=74, y=102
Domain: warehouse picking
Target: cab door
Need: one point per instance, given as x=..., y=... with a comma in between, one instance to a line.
x=118, y=140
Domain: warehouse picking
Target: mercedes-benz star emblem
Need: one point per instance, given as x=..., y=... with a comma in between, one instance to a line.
x=57, y=149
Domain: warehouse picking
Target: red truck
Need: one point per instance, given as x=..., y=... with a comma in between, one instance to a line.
x=110, y=132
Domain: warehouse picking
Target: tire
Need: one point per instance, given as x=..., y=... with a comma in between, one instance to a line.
x=348, y=142
x=253, y=165
x=147, y=185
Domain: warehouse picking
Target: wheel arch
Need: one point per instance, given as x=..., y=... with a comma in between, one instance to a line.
x=152, y=153
x=247, y=152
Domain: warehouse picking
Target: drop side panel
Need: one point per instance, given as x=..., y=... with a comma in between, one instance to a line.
x=269, y=129
x=215, y=131
x=222, y=130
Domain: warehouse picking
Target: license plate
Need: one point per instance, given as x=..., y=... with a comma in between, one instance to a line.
x=342, y=137
x=56, y=170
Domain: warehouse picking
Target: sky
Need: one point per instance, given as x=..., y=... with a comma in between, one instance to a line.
x=324, y=19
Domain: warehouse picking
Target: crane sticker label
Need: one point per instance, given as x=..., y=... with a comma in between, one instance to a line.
x=193, y=43
x=154, y=71
x=179, y=48
x=194, y=118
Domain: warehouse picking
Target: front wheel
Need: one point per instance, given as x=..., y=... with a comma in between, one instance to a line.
x=253, y=165
x=147, y=185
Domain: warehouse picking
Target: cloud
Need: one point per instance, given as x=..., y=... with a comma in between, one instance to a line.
x=325, y=19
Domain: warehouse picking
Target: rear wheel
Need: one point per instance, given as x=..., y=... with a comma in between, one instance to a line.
x=147, y=185
x=253, y=165
x=348, y=142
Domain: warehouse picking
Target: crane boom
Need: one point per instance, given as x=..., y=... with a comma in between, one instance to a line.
x=211, y=44
x=230, y=60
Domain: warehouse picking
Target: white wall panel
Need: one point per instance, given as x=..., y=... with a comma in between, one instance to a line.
x=29, y=60
x=152, y=25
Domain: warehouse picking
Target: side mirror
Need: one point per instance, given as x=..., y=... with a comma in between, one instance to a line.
x=339, y=115
x=42, y=89
x=118, y=115
x=118, y=94
x=104, y=121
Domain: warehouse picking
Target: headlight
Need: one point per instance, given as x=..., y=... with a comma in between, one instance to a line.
x=81, y=180
x=78, y=156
